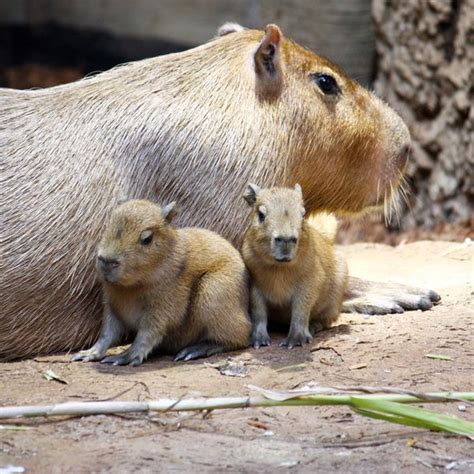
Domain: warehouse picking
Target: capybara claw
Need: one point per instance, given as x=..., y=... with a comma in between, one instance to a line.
x=197, y=351
x=89, y=355
x=260, y=337
x=299, y=339
x=434, y=297
x=123, y=359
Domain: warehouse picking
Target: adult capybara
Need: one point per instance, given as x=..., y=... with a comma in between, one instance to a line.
x=195, y=127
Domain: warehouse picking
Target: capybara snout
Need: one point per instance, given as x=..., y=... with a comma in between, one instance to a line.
x=108, y=268
x=284, y=248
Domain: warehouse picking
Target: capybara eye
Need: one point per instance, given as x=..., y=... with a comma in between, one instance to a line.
x=261, y=216
x=146, y=238
x=326, y=83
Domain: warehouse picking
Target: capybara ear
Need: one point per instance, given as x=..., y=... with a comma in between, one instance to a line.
x=169, y=211
x=121, y=200
x=268, y=64
x=251, y=193
x=228, y=28
x=298, y=189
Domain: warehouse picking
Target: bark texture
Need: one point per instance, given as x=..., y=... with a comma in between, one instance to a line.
x=426, y=72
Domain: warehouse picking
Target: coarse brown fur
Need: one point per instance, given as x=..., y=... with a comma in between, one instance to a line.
x=194, y=126
x=180, y=291
x=297, y=277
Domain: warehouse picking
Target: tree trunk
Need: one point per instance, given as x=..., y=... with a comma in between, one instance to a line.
x=426, y=72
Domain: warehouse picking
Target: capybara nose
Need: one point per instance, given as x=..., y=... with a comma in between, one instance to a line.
x=284, y=248
x=285, y=240
x=107, y=263
x=403, y=154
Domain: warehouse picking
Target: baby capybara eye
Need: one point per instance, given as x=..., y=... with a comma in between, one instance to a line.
x=146, y=238
x=326, y=83
x=261, y=216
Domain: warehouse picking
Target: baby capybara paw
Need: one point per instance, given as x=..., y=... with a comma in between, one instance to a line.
x=260, y=337
x=123, y=359
x=299, y=337
x=198, y=351
x=89, y=355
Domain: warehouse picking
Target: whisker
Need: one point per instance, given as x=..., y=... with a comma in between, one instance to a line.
x=385, y=209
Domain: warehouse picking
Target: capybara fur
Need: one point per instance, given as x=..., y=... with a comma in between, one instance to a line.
x=297, y=277
x=184, y=291
x=195, y=126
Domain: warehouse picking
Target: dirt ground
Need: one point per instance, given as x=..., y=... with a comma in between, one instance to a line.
x=377, y=350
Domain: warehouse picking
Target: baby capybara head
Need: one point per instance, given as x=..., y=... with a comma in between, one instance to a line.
x=136, y=240
x=277, y=222
x=348, y=148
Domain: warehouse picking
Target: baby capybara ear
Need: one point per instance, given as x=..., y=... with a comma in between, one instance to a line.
x=251, y=193
x=169, y=211
x=268, y=64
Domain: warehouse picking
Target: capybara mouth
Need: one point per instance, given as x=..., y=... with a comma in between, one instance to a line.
x=283, y=259
x=110, y=278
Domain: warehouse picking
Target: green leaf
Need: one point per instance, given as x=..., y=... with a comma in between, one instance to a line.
x=411, y=416
x=50, y=375
x=292, y=368
x=438, y=357
x=15, y=427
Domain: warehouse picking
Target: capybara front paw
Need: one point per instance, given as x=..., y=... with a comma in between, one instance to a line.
x=89, y=355
x=260, y=337
x=123, y=359
x=297, y=338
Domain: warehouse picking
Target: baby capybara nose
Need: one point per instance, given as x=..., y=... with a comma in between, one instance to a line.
x=285, y=240
x=107, y=263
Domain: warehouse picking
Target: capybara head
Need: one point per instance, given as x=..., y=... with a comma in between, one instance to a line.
x=136, y=240
x=347, y=148
x=277, y=221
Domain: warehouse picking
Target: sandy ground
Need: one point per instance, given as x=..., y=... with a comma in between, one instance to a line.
x=390, y=350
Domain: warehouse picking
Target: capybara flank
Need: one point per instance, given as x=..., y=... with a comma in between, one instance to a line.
x=182, y=291
x=297, y=277
x=195, y=126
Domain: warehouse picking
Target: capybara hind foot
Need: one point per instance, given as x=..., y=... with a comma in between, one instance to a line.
x=368, y=297
x=89, y=355
x=372, y=306
x=298, y=337
x=260, y=336
x=199, y=350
